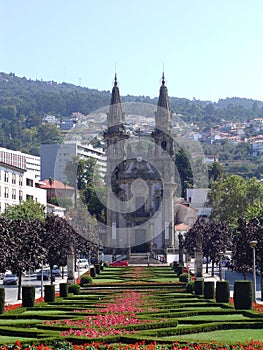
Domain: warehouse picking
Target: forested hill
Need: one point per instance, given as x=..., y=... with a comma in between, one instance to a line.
x=21, y=97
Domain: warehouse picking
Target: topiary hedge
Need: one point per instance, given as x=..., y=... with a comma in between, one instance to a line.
x=49, y=293
x=92, y=272
x=2, y=300
x=184, y=277
x=222, y=291
x=85, y=280
x=243, y=295
x=63, y=290
x=199, y=287
x=209, y=289
x=74, y=288
x=97, y=268
x=28, y=296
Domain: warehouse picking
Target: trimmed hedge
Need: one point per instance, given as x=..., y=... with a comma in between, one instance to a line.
x=243, y=295
x=184, y=277
x=93, y=272
x=179, y=270
x=209, y=290
x=74, y=288
x=28, y=296
x=97, y=268
x=49, y=293
x=2, y=300
x=222, y=291
x=199, y=287
x=63, y=290
x=85, y=280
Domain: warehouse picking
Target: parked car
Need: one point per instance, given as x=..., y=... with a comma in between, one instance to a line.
x=83, y=263
x=46, y=275
x=119, y=263
x=2, y=275
x=56, y=272
x=10, y=278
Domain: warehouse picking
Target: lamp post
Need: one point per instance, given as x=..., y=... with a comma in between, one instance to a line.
x=253, y=246
x=220, y=264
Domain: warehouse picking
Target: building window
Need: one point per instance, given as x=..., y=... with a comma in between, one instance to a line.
x=6, y=176
x=20, y=196
x=13, y=179
x=6, y=194
x=29, y=197
x=20, y=180
x=29, y=182
x=13, y=193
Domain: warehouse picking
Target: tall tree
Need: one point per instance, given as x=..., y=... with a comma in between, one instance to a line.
x=27, y=210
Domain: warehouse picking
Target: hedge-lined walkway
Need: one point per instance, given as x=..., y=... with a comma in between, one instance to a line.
x=132, y=305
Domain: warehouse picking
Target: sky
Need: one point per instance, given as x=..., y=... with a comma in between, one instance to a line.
x=208, y=49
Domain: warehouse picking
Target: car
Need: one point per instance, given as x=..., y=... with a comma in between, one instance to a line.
x=2, y=275
x=56, y=272
x=10, y=278
x=46, y=275
x=83, y=263
x=119, y=263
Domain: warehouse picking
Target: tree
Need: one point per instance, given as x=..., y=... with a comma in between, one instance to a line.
x=4, y=238
x=212, y=237
x=215, y=171
x=24, y=248
x=184, y=168
x=232, y=197
x=26, y=211
x=241, y=252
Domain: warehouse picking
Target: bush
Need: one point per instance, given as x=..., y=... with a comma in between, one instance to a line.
x=179, y=270
x=85, y=280
x=97, y=268
x=222, y=291
x=49, y=293
x=199, y=287
x=2, y=300
x=190, y=287
x=74, y=288
x=243, y=295
x=63, y=290
x=209, y=290
x=184, y=277
x=92, y=272
x=28, y=296
x=106, y=264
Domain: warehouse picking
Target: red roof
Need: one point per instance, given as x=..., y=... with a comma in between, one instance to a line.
x=56, y=185
x=182, y=227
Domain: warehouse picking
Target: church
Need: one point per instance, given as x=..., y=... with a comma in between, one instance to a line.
x=140, y=182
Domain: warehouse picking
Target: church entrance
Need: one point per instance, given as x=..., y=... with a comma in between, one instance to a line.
x=141, y=246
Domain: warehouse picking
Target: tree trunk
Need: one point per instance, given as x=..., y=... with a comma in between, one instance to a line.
x=19, y=286
x=213, y=268
x=261, y=284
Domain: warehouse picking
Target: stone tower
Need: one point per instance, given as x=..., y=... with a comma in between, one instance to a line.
x=140, y=182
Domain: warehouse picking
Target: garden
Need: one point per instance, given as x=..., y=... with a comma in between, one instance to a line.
x=132, y=308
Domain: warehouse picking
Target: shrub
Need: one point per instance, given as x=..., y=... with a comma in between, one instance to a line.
x=222, y=291
x=209, y=290
x=74, y=288
x=190, y=287
x=49, y=293
x=106, y=264
x=97, y=268
x=2, y=300
x=243, y=295
x=184, y=277
x=63, y=290
x=85, y=280
x=179, y=270
x=199, y=287
x=93, y=272
x=28, y=296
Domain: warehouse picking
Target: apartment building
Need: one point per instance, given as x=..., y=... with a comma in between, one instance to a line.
x=18, y=185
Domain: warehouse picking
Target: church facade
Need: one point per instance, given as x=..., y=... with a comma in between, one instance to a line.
x=140, y=182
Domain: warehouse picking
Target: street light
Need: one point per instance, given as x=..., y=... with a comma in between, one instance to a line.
x=220, y=264
x=253, y=246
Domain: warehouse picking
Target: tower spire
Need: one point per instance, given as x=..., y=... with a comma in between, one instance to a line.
x=163, y=114
x=115, y=115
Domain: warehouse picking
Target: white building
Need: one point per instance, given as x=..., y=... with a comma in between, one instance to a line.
x=18, y=185
x=197, y=199
x=21, y=160
x=54, y=158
